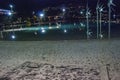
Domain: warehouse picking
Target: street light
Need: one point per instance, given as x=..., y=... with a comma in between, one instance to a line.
x=11, y=6
x=63, y=14
x=11, y=10
x=41, y=15
x=87, y=18
x=65, y=31
x=43, y=31
x=63, y=9
x=9, y=13
x=81, y=12
x=97, y=11
x=101, y=10
x=13, y=36
x=110, y=3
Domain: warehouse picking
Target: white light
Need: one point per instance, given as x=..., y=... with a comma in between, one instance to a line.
x=101, y=9
x=63, y=10
x=35, y=33
x=65, y=31
x=74, y=24
x=57, y=27
x=88, y=13
x=82, y=25
x=101, y=36
x=43, y=31
x=42, y=28
x=81, y=12
x=33, y=12
x=11, y=6
x=50, y=27
x=114, y=16
x=41, y=15
x=9, y=13
x=13, y=37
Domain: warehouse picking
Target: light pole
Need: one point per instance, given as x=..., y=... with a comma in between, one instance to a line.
x=63, y=10
x=110, y=3
x=101, y=10
x=1, y=34
x=41, y=16
x=11, y=7
x=87, y=19
x=11, y=15
x=97, y=11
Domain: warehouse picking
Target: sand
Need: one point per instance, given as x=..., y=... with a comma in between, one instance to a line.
x=92, y=54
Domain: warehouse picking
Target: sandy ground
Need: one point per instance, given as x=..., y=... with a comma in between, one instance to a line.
x=78, y=53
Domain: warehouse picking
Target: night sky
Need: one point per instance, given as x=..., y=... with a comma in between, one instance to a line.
x=27, y=6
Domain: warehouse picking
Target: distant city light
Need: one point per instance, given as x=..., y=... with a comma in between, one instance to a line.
x=35, y=33
x=57, y=27
x=41, y=15
x=81, y=12
x=65, y=31
x=42, y=28
x=63, y=9
x=74, y=24
x=88, y=13
x=101, y=36
x=101, y=9
x=13, y=37
x=43, y=31
x=33, y=12
x=11, y=6
x=82, y=25
x=9, y=13
x=50, y=27
x=114, y=16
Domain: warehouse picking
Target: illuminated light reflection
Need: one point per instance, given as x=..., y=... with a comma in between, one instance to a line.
x=11, y=6
x=65, y=31
x=42, y=28
x=57, y=27
x=13, y=36
x=43, y=31
x=50, y=27
x=9, y=13
x=35, y=33
x=41, y=15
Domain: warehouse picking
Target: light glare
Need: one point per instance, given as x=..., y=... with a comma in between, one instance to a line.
x=13, y=37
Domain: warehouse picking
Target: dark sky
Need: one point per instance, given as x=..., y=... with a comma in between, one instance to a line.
x=27, y=6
